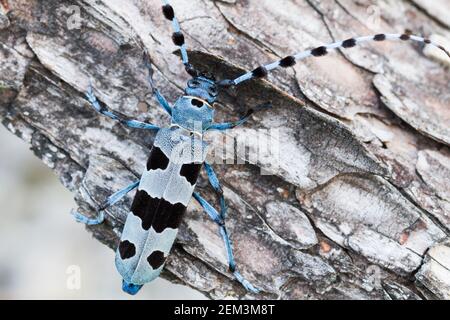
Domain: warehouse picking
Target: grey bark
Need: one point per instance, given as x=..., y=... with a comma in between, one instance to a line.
x=359, y=208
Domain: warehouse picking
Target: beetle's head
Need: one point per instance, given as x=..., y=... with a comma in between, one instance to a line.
x=203, y=87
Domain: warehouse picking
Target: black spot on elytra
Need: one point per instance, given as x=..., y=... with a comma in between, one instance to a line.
x=319, y=52
x=288, y=61
x=427, y=41
x=168, y=12
x=156, y=259
x=157, y=159
x=259, y=72
x=178, y=38
x=379, y=37
x=197, y=103
x=349, y=43
x=126, y=249
x=190, y=171
x=157, y=213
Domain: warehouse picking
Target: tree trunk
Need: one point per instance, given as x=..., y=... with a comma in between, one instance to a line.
x=359, y=205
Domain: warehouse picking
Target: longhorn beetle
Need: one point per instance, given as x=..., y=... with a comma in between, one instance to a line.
x=176, y=158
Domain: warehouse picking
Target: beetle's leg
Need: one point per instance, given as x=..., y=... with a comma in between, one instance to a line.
x=229, y=125
x=104, y=111
x=161, y=100
x=215, y=183
x=110, y=201
x=214, y=215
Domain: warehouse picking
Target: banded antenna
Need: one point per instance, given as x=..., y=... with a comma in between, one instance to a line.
x=290, y=61
x=178, y=37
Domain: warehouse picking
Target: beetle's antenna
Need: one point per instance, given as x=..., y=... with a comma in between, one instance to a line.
x=178, y=37
x=290, y=61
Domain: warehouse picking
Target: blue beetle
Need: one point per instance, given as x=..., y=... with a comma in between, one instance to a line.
x=178, y=154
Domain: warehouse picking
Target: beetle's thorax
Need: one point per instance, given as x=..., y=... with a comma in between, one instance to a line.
x=192, y=114
x=194, y=111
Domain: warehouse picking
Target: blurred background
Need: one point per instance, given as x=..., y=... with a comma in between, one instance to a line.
x=44, y=253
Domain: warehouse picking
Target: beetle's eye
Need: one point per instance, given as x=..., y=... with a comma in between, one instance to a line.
x=193, y=83
x=213, y=91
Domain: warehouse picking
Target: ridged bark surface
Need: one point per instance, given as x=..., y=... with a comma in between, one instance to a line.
x=360, y=205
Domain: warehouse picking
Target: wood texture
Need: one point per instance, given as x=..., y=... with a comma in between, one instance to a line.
x=359, y=206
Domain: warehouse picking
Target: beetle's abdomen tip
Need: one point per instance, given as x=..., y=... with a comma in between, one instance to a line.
x=130, y=288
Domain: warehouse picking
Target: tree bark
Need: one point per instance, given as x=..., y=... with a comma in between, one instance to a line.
x=359, y=206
